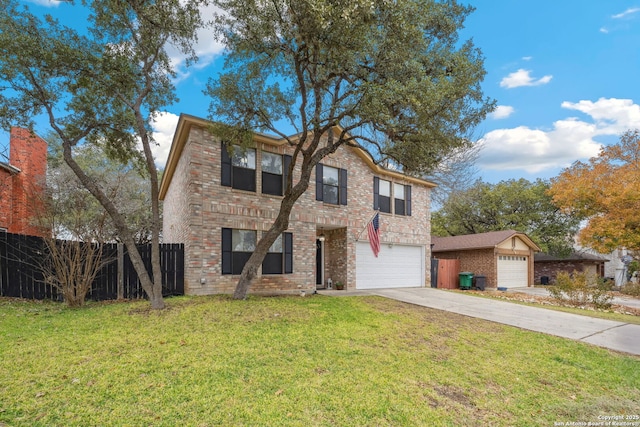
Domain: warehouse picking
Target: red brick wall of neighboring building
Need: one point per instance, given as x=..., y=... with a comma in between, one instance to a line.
x=20, y=192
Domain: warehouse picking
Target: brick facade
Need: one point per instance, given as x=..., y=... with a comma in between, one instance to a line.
x=479, y=262
x=548, y=266
x=197, y=207
x=22, y=181
x=480, y=253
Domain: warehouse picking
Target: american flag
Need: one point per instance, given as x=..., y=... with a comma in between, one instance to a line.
x=373, y=229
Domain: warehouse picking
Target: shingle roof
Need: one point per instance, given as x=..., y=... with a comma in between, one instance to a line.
x=575, y=256
x=477, y=241
x=186, y=121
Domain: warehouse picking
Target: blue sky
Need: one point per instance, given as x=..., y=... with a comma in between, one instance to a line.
x=564, y=74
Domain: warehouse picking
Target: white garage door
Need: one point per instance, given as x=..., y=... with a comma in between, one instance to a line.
x=399, y=266
x=513, y=271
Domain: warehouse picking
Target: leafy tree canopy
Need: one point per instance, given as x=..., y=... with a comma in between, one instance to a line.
x=99, y=82
x=393, y=75
x=390, y=76
x=74, y=213
x=606, y=191
x=518, y=205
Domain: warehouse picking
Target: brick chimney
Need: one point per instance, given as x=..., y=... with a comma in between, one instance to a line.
x=22, y=181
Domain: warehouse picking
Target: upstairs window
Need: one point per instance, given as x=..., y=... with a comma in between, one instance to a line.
x=381, y=195
x=274, y=173
x=391, y=198
x=401, y=199
x=331, y=184
x=239, y=168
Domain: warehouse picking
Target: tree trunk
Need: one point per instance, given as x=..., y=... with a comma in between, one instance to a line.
x=250, y=269
x=281, y=223
x=156, y=271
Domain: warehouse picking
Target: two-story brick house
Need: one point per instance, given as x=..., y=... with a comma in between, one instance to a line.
x=218, y=204
x=22, y=180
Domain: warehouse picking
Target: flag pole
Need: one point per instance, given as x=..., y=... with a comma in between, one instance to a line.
x=365, y=226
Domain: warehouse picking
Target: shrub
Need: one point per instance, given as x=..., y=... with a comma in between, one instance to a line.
x=632, y=289
x=580, y=289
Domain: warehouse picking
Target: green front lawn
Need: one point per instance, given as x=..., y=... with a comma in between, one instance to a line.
x=313, y=361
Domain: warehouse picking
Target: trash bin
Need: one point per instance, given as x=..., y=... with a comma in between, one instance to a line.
x=481, y=282
x=465, y=280
x=544, y=280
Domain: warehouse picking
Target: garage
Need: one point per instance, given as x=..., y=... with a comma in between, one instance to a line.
x=513, y=271
x=504, y=258
x=397, y=266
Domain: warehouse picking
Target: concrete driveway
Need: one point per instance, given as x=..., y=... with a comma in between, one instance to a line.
x=610, y=334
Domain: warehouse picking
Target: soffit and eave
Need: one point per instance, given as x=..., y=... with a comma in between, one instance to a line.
x=187, y=121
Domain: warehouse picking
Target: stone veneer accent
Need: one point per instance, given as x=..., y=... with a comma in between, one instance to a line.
x=196, y=208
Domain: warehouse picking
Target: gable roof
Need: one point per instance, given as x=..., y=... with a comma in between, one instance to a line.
x=186, y=121
x=478, y=241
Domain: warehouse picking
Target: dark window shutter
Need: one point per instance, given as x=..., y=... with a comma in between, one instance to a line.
x=319, y=188
x=288, y=253
x=285, y=172
x=226, y=167
x=227, y=254
x=407, y=197
x=343, y=186
x=376, y=193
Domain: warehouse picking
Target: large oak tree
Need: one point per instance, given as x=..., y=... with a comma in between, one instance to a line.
x=99, y=82
x=606, y=191
x=390, y=76
x=518, y=205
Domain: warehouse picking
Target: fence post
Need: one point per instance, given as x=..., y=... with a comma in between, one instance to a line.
x=120, y=271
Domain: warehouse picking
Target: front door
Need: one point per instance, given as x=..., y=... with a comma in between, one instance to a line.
x=319, y=265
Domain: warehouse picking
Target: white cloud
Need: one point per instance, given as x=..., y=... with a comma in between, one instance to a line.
x=48, y=3
x=164, y=126
x=527, y=58
x=523, y=78
x=570, y=139
x=207, y=48
x=630, y=11
x=604, y=30
x=612, y=116
x=502, y=112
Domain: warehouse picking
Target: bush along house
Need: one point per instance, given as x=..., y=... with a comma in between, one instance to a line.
x=218, y=202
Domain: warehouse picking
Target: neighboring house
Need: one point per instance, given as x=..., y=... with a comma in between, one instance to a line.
x=549, y=266
x=21, y=182
x=505, y=258
x=218, y=205
x=614, y=266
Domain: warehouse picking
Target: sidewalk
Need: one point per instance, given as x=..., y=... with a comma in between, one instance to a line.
x=610, y=334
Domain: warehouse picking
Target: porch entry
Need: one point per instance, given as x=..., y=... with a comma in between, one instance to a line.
x=331, y=256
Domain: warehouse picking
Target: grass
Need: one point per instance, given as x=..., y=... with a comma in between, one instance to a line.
x=313, y=361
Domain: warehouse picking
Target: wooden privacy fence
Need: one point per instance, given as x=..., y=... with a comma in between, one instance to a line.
x=448, y=271
x=21, y=276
